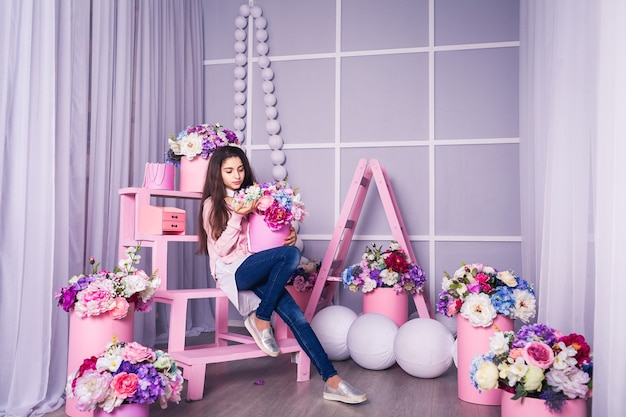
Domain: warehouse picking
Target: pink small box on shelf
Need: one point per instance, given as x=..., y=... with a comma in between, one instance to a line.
x=161, y=221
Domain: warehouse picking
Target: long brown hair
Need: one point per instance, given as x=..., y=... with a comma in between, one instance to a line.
x=214, y=188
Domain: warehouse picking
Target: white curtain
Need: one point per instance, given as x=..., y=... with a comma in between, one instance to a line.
x=89, y=92
x=573, y=101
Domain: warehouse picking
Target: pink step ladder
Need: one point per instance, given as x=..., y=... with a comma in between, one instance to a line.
x=334, y=259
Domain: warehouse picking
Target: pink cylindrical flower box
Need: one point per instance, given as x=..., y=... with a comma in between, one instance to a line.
x=125, y=410
x=536, y=407
x=472, y=341
x=89, y=336
x=193, y=174
x=261, y=237
x=159, y=176
x=387, y=302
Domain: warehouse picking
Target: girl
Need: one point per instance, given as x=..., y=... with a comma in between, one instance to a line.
x=223, y=234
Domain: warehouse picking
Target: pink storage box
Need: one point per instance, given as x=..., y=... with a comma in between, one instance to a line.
x=155, y=220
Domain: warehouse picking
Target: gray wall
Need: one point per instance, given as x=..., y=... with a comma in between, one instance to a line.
x=429, y=88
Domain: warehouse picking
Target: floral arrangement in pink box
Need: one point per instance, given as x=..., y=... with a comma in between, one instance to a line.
x=479, y=292
x=304, y=277
x=110, y=292
x=391, y=268
x=125, y=373
x=536, y=362
x=278, y=203
x=201, y=140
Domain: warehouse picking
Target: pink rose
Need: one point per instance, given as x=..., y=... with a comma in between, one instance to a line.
x=538, y=354
x=124, y=384
x=134, y=353
x=265, y=202
x=121, y=308
x=515, y=353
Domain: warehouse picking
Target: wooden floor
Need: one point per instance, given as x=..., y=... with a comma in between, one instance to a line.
x=230, y=391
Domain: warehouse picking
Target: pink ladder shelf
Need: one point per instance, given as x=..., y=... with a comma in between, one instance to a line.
x=334, y=259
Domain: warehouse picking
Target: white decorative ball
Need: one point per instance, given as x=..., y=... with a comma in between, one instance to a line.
x=241, y=22
x=272, y=127
x=275, y=142
x=455, y=353
x=370, y=341
x=240, y=85
x=260, y=23
x=240, y=35
x=278, y=157
x=262, y=48
x=423, y=348
x=267, y=74
x=267, y=87
x=241, y=59
x=279, y=172
x=240, y=111
x=240, y=98
x=239, y=123
x=271, y=112
x=256, y=11
x=261, y=35
x=331, y=325
x=449, y=322
x=244, y=10
x=240, y=135
x=264, y=61
x=240, y=72
x=269, y=99
x=240, y=47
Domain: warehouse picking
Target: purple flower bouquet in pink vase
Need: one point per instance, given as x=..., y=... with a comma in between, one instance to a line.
x=278, y=206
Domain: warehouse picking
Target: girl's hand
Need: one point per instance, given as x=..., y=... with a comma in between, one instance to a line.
x=290, y=240
x=245, y=208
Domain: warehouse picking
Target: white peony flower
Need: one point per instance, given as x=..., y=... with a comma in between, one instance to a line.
x=487, y=376
x=508, y=278
x=525, y=305
x=477, y=308
x=191, y=145
x=572, y=381
x=369, y=285
x=498, y=343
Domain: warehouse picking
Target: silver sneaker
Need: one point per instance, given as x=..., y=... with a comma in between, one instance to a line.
x=264, y=339
x=345, y=393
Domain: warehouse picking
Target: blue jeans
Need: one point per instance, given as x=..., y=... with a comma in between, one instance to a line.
x=266, y=273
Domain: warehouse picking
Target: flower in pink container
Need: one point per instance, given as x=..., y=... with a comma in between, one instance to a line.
x=536, y=362
x=125, y=373
x=110, y=292
x=278, y=203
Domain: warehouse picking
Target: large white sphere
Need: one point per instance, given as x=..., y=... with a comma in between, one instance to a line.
x=423, y=348
x=331, y=325
x=370, y=341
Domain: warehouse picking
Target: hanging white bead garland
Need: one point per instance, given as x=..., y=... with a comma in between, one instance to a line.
x=272, y=126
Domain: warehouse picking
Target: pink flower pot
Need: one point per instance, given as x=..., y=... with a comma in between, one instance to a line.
x=261, y=237
x=89, y=336
x=386, y=302
x=472, y=341
x=536, y=407
x=125, y=410
x=193, y=174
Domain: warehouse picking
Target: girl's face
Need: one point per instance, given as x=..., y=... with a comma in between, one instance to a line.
x=233, y=173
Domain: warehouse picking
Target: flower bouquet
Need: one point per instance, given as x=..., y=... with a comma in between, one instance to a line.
x=278, y=203
x=536, y=362
x=125, y=373
x=110, y=292
x=478, y=292
x=384, y=269
x=304, y=277
x=200, y=140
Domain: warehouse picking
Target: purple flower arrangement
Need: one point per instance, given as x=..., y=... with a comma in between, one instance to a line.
x=278, y=203
x=536, y=362
x=125, y=373
x=110, y=292
x=384, y=269
x=201, y=140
